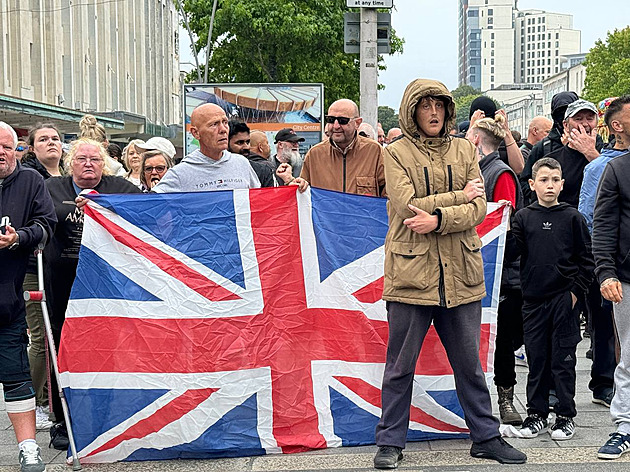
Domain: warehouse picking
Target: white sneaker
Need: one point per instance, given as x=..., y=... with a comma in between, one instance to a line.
x=520, y=358
x=41, y=418
x=31, y=458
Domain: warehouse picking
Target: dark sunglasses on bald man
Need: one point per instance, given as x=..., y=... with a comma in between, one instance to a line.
x=330, y=119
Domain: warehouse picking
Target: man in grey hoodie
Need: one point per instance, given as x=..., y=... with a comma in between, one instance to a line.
x=211, y=167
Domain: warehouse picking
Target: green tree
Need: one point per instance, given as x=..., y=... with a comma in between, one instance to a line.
x=465, y=90
x=388, y=118
x=278, y=41
x=608, y=67
x=462, y=106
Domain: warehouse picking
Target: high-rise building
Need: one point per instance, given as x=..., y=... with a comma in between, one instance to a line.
x=498, y=44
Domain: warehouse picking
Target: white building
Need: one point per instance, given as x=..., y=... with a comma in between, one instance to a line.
x=117, y=60
x=569, y=80
x=543, y=39
x=498, y=44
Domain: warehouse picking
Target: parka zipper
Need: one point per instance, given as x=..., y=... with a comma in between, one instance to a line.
x=450, y=178
x=426, y=180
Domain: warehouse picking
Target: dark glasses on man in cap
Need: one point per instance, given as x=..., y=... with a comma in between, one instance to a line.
x=21, y=148
x=341, y=119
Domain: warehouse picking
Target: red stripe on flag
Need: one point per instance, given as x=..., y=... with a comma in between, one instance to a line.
x=170, y=412
x=189, y=277
x=371, y=293
x=372, y=395
x=491, y=221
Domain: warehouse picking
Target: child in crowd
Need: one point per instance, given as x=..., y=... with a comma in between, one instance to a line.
x=556, y=269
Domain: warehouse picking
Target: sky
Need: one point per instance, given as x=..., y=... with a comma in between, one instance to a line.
x=429, y=28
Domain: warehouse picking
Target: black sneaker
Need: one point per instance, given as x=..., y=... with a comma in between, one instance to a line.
x=59, y=437
x=563, y=428
x=604, y=397
x=499, y=450
x=534, y=425
x=387, y=457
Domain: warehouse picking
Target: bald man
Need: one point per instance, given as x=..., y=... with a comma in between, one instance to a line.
x=393, y=134
x=538, y=130
x=259, y=144
x=211, y=167
x=346, y=162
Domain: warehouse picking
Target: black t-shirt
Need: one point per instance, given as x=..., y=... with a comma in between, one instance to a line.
x=573, y=163
x=61, y=255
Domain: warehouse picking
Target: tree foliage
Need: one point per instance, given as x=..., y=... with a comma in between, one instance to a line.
x=388, y=118
x=279, y=41
x=465, y=90
x=608, y=67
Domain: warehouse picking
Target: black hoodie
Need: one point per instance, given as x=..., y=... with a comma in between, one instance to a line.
x=25, y=205
x=554, y=245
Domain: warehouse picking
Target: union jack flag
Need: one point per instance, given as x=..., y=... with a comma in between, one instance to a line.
x=243, y=322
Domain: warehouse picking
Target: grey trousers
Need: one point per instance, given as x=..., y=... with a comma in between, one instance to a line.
x=459, y=331
x=620, y=405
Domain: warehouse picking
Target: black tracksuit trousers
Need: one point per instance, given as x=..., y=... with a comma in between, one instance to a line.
x=509, y=336
x=551, y=331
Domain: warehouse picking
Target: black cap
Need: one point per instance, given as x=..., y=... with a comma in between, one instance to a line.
x=485, y=104
x=287, y=134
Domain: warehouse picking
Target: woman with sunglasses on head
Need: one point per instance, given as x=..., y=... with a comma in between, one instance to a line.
x=44, y=154
x=154, y=166
x=21, y=149
x=86, y=165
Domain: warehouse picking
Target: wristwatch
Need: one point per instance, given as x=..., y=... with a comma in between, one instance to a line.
x=16, y=244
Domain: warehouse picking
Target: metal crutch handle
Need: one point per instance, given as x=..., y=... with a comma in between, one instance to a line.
x=40, y=295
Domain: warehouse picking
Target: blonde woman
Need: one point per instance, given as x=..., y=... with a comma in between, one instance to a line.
x=86, y=170
x=92, y=129
x=132, y=159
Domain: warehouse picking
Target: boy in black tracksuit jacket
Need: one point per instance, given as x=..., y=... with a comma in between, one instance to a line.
x=556, y=269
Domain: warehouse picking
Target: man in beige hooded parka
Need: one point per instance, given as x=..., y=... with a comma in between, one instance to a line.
x=434, y=270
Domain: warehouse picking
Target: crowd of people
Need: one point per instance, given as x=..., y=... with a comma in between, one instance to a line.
x=565, y=258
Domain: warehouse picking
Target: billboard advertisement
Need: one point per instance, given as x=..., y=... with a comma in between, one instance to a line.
x=264, y=107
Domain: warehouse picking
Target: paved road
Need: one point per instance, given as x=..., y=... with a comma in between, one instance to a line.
x=579, y=454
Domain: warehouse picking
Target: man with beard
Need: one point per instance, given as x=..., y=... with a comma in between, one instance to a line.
x=288, y=161
x=239, y=143
x=346, y=162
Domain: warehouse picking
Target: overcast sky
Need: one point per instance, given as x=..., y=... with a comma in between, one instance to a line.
x=429, y=28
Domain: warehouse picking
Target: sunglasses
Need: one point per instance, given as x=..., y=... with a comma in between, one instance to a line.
x=21, y=148
x=330, y=119
x=158, y=169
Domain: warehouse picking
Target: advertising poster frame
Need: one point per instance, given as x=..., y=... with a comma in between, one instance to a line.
x=267, y=107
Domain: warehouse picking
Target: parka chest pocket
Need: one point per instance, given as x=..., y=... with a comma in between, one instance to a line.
x=472, y=261
x=409, y=264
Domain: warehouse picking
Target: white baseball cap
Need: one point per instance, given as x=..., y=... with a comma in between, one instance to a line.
x=159, y=144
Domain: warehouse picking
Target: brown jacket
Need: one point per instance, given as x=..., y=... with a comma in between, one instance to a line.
x=443, y=267
x=359, y=170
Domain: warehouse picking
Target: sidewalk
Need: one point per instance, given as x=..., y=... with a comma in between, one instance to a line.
x=593, y=426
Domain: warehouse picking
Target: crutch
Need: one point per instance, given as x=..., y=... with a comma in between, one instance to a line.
x=40, y=295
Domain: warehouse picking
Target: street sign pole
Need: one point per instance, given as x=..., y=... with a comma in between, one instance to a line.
x=369, y=70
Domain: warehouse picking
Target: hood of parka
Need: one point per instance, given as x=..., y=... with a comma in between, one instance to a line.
x=414, y=92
